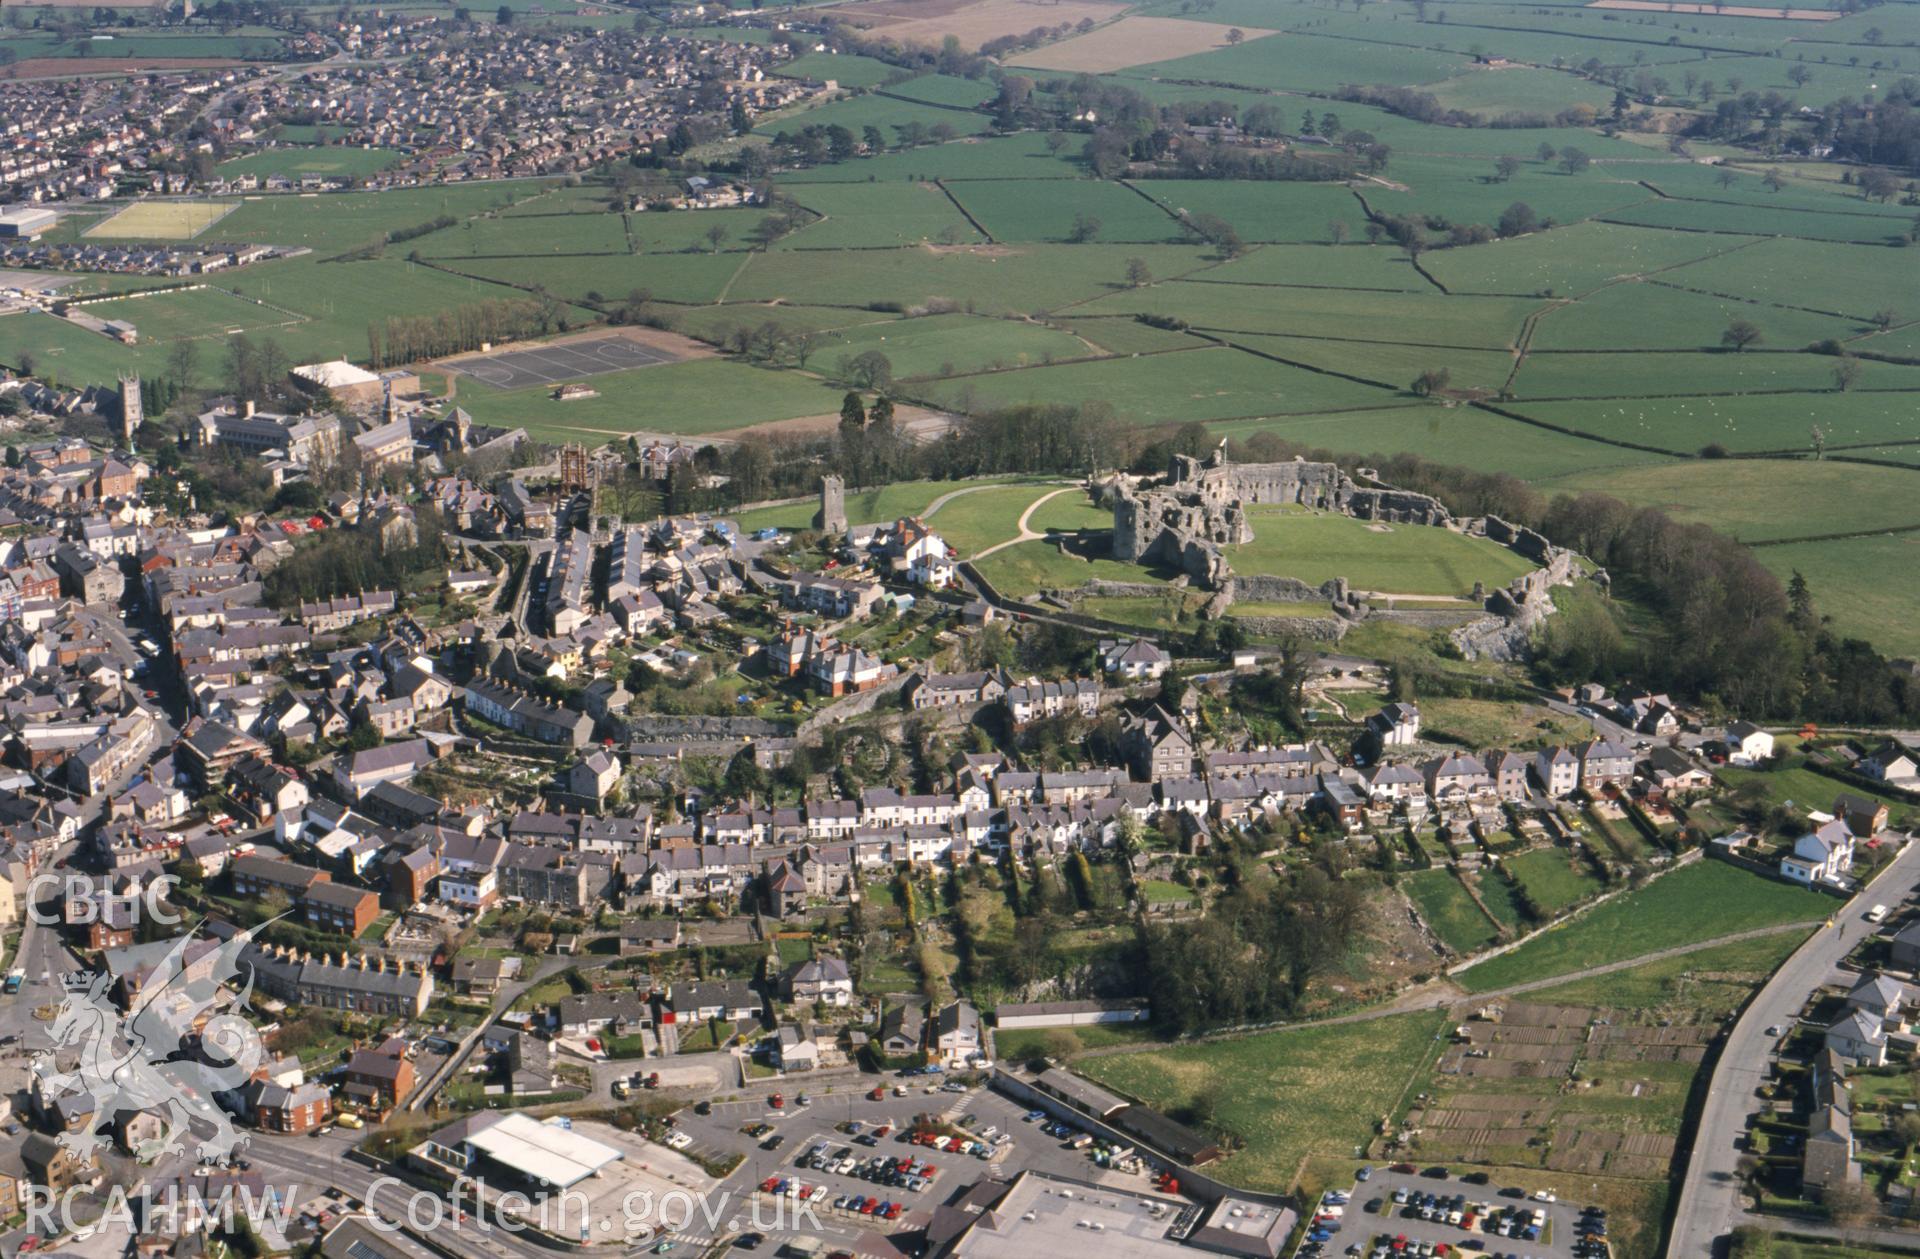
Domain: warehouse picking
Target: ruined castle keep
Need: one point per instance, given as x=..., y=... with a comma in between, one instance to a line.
x=1201, y=507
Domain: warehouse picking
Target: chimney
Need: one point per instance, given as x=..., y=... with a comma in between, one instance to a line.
x=249, y=408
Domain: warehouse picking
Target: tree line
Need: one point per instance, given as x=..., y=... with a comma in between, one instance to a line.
x=457, y=329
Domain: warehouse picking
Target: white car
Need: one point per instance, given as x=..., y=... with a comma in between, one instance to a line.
x=1544, y=1195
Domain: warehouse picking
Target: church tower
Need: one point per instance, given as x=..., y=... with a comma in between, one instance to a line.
x=132, y=413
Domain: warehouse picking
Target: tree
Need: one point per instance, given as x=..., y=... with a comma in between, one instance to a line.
x=1725, y=178
x=1799, y=75
x=1545, y=152
x=869, y=369
x=1518, y=219
x=1846, y=373
x=1884, y=318
x=1879, y=184
x=1235, y=35
x=1336, y=231
x=1138, y=274
x=1740, y=334
x=802, y=347
x=504, y=15
x=183, y=363
x=716, y=235
x=853, y=415
x=1505, y=167
x=1085, y=228
x=1573, y=161
x=1773, y=180
x=1817, y=438
x=1431, y=381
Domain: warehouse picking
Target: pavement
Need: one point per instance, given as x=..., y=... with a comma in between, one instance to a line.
x=1709, y=1201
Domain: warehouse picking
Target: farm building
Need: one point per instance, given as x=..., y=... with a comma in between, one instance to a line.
x=1068, y=1013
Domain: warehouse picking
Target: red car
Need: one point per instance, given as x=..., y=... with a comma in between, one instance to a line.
x=893, y=1211
x=869, y=1205
x=767, y=1185
x=876, y=1095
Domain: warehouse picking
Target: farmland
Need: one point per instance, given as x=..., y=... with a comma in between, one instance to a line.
x=1584, y=343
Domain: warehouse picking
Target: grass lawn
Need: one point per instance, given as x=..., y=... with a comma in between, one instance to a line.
x=977, y=520
x=193, y=313
x=1554, y=878
x=1047, y=209
x=1764, y=499
x=297, y=161
x=1207, y=384
x=1483, y=723
x=1025, y=1043
x=695, y=397
x=1702, y=901
x=1775, y=422
x=862, y=216
x=1031, y=566
x=1849, y=582
x=1804, y=788
x=874, y=506
x=938, y=346
x=1391, y=559
x=1449, y=910
x=1283, y=1095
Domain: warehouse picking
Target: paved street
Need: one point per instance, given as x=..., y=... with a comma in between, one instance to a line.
x=1709, y=1191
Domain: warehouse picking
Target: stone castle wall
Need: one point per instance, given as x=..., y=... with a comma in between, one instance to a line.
x=1201, y=508
x=1185, y=522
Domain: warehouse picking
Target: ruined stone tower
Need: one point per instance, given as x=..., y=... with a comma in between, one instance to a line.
x=832, y=517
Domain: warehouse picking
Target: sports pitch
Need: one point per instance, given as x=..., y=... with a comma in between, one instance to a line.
x=164, y=220
x=552, y=364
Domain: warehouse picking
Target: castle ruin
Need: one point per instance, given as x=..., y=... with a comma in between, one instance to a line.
x=1201, y=507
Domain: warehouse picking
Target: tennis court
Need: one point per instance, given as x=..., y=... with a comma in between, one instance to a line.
x=552, y=364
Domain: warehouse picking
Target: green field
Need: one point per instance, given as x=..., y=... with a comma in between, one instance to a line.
x=866, y=216
x=1022, y=210
x=1033, y=566
x=1760, y=500
x=1701, y=902
x=1450, y=911
x=1849, y=582
x=686, y=398
x=1391, y=559
x=1282, y=1095
x=192, y=313
x=1202, y=385
x=295, y=162
x=874, y=506
x=940, y=346
x=1554, y=878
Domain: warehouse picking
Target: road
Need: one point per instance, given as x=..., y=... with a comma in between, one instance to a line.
x=1709, y=1190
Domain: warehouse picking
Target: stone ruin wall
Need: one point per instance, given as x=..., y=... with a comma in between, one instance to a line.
x=1185, y=522
x=1202, y=508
